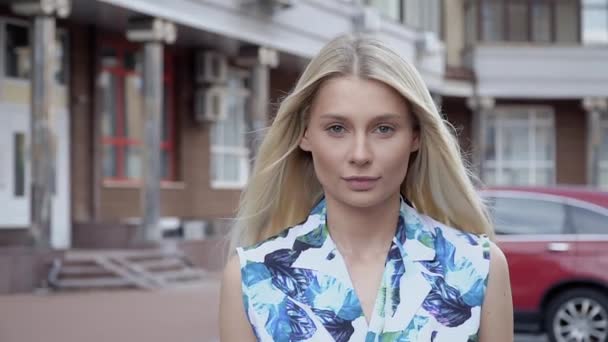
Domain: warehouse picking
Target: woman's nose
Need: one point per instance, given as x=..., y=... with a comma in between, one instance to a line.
x=361, y=153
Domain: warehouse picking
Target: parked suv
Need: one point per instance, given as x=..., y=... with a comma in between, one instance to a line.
x=556, y=243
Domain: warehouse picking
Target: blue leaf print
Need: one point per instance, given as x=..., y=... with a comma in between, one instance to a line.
x=290, y=280
x=475, y=295
x=435, y=267
x=351, y=308
x=288, y=322
x=314, y=239
x=340, y=329
x=469, y=237
x=319, y=207
x=398, y=269
x=445, y=251
x=445, y=303
x=401, y=233
x=302, y=326
x=254, y=272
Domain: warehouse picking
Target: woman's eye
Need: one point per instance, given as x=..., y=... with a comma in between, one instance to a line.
x=385, y=129
x=336, y=129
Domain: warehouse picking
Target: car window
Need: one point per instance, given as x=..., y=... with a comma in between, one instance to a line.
x=586, y=221
x=527, y=216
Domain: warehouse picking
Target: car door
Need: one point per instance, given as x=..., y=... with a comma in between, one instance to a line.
x=591, y=224
x=534, y=233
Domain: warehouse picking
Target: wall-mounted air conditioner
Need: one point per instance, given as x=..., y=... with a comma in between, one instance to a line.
x=210, y=104
x=210, y=67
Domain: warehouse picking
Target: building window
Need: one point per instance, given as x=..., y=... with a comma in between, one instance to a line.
x=519, y=146
x=492, y=16
x=522, y=21
x=540, y=18
x=388, y=8
x=566, y=21
x=229, y=152
x=17, y=52
x=517, y=20
x=595, y=21
x=17, y=57
x=122, y=125
x=422, y=15
x=470, y=24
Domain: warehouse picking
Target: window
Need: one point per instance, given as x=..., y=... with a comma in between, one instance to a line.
x=17, y=62
x=122, y=118
x=19, y=164
x=586, y=221
x=520, y=215
x=492, y=16
x=541, y=21
x=522, y=21
x=470, y=13
x=519, y=146
x=595, y=21
x=566, y=20
x=517, y=19
x=17, y=54
x=229, y=152
x=419, y=14
x=389, y=8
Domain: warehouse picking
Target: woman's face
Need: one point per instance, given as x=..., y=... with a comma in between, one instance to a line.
x=360, y=134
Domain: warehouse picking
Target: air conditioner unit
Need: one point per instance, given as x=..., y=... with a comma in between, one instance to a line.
x=210, y=104
x=211, y=67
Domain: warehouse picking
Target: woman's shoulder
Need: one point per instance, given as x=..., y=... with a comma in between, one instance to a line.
x=458, y=247
x=282, y=240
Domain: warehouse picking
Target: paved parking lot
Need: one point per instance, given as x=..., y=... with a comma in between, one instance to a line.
x=530, y=338
x=180, y=315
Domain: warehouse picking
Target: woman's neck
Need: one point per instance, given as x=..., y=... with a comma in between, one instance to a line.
x=363, y=233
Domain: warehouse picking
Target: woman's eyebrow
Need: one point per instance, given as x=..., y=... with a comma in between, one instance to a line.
x=386, y=116
x=333, y=116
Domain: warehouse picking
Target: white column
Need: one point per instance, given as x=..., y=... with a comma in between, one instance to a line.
x=42, y=131
x=153, y=33
x=259, y=60
x=595, y=108
x=481, y=106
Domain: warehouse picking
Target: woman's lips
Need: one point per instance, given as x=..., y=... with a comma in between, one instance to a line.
x=361, y=183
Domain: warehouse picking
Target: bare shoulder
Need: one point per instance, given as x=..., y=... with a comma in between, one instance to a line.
x=234, y=325
x=232, y=273
x=497, y=308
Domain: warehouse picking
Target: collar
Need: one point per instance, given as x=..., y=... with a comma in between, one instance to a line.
x=414, y=234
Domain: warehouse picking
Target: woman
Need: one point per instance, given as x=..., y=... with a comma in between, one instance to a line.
x=360, y=219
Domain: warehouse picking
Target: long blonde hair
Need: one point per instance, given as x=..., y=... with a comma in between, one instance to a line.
x=283, y=186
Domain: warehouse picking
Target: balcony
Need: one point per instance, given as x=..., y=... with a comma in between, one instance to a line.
x=536, y=71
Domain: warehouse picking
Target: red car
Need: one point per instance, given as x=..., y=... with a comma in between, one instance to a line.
x=556, y=244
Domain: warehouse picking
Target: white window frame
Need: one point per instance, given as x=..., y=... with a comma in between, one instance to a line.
x=501, y=120
x=242, y=152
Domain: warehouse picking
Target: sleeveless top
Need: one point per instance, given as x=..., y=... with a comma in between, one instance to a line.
x=296, y=286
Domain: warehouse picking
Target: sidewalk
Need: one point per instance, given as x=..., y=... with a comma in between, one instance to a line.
x=176, y=315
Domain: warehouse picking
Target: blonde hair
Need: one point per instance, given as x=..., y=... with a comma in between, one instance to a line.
x=283, y=186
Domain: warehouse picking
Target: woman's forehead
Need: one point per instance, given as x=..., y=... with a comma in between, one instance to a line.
x=350, y=95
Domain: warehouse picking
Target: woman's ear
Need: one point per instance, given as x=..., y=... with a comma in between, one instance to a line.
x=416, y=140
x=305, y=141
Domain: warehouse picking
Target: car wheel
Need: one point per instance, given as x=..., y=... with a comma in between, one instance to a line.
x=578, y=315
